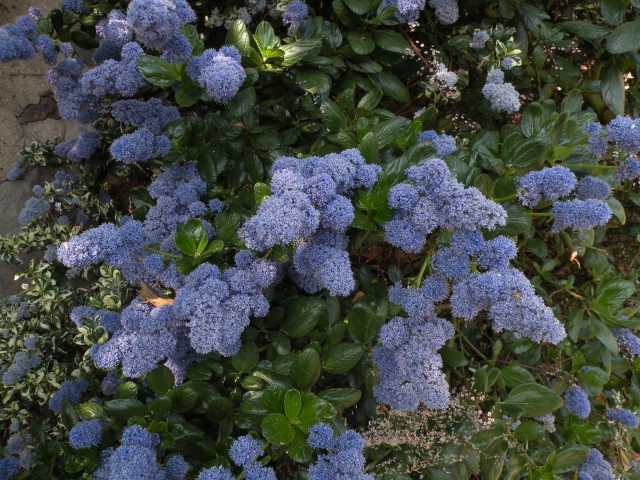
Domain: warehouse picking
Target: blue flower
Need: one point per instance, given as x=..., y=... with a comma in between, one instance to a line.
x=502, y=95
x=447, y=11
x=596, y=143
x=507, y=63
x=70, y=390
x=320, y=435
x=295, y=15
x=629, y=170
x=550, y=183
x=176, y=467
x=215, y=473
x=245, y=451
x=577, y=402
x=623, y=417
x=137, y=436
x=86, y=434
x=344, y=458
x=591, y=187
x=627, y=341
x=480, y=37
x=445, y=144
x=579, y=214
x=156, y=22
x=74, y=6
x=9, y=468
x=33, y=209
x=595, y=467
x=220, y=74
x=22, y=364
x=624, y=132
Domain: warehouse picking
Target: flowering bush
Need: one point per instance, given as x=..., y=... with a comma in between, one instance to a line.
x=358, y=239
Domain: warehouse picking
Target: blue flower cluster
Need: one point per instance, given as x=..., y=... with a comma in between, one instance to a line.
x=587, y=211
x=627, y=341
x=595, y=467
x=245, y=452
x=480, y=37
x=576, y=402
x=407, y=357
x=548, y=184
x=148, y=140
x=158, y=25
x=136, y=458
x=70, y=390
x=147, y=336
x=628, y=170
x=177, y=192
x=435, y=199
x=624, y=132
x=344, y=458
x=21, y=41
x=114, y=32
x=447, y=11
x=623, y=417
x=507, y=63
x=444, y=144
x=86, y=434
x=310, y=206
x=511, y=303
x=407, y=11
x=22, y=364
x=502, y=95
x=579, y=214
x=218, y=305
x=295, y=15
x=596, y=143
x=9, y=468
x=80, y=148
x=33, y=209
x=219, y=72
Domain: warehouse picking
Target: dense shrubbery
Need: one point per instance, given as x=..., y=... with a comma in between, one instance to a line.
x=351, y=239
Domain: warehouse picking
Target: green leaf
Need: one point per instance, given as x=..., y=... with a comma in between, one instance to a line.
x=265, y=36
x=613, y=10
x=273, y=399
x=603, y=333
x=91, y=411
x=341, y=398
x=533, y=400
x=298, y=449
x=568, y=458
x=242, y=103
x=188, y=94
x=514, y=375
x=127, y=390
x=392, y=86
x=260, y=192
x=586, y=30
x=359, y=7
x=333, y=116
x=219, y=409
x=276, y=429
x=305, y=370
x=617, y=209
x=124, y=408
x=612, y=88
x=360, y=42
x=298, y=51
x=593, y=376
x=239, y=37
x=292, y=404
x=313, y=81
x=453, y=358
x=191, y=237
x=391, y=40
x=191, y=32
x=161, y=380
x=183, y=398
x=613, y=292
x=83, y=40
x=315, y=410
x=529, y=431
x=362, y=323
x=157, y=71
x=386, y=132
x=342, y=357
x=625, y=38
x=371, y=99
x=246, y=359
x=302, y=314
x=159, y=407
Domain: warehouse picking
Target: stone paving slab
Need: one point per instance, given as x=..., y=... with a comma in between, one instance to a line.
x=26, y=115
